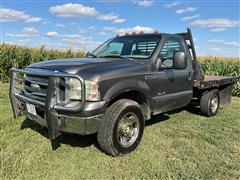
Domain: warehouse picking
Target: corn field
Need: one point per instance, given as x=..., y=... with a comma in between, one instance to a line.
x=20, y=57
x=222, y=66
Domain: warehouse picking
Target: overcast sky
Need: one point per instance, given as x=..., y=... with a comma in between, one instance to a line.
x=83, y=25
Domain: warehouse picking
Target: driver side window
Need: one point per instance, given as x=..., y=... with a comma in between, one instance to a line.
x=169, y=48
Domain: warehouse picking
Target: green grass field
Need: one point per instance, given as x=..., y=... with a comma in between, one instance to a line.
x=179, y=145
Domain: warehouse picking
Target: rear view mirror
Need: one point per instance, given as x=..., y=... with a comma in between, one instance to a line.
x=179, y=60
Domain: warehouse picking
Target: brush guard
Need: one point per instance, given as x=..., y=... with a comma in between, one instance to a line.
x=51, y=107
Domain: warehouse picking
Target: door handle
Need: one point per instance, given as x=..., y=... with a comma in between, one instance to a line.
x=189, y=75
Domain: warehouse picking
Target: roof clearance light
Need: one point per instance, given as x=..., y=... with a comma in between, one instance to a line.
x=134, y=33
x=141, y=32
x=126, y=34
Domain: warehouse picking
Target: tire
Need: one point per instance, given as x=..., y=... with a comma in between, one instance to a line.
x=209, y=103
x=122, y=120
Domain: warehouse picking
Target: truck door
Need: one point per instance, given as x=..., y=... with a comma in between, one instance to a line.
x=173, y=86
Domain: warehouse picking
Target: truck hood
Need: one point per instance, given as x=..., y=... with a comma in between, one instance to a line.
x=92, y=68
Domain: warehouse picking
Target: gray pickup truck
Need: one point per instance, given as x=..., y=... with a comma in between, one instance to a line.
x=116, y=88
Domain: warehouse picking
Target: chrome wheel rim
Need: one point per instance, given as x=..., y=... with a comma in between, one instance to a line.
x=128, y=129
x=214, y=104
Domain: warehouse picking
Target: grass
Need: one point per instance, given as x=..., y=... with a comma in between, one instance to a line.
x=178, y=145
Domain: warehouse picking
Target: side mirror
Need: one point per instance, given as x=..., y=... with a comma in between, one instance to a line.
x=179, y=60
x=159, y=63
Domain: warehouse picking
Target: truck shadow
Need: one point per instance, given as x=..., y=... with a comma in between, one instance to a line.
x=65, y=138
x=193, y=108
x=75, y=140
x=156, y=119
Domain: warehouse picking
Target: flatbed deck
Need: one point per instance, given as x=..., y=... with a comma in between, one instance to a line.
x=223, y=83
x=214, y=81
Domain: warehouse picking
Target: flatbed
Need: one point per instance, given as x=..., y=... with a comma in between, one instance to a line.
x=210, y=81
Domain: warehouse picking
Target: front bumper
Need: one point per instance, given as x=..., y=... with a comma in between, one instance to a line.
x=57, y=117
x=71, y=124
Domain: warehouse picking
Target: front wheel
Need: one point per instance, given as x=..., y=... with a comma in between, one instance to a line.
x=122, y=128
x=209, y=103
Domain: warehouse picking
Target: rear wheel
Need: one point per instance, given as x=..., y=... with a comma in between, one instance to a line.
x=209, y=103
x=122, y=128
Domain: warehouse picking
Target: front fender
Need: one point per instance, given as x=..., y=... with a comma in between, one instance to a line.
x=120, y=87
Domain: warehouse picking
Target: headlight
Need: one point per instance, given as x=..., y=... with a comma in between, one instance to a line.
x=75, y=89
x=92, y=93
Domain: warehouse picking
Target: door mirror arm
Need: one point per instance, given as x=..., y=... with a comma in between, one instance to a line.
x=159, y=63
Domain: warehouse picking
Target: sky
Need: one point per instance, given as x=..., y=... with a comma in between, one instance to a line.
x=84, y=25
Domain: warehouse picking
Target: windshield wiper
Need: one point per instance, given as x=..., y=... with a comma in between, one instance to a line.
x=118, y=56
x=112, y=56
x=91, y=54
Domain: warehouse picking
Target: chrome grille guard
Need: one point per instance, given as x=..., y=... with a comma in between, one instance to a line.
x=50, y=109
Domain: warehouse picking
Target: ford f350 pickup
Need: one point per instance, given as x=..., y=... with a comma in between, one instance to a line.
x=116, y=88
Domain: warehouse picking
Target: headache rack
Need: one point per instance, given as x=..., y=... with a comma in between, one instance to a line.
x=188, y=36
x=203, y=83
x=198, y=73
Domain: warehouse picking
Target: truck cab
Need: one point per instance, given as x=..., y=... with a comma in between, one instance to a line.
x=116, y=88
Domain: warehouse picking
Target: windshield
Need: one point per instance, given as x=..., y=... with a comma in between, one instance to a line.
x=128, y=47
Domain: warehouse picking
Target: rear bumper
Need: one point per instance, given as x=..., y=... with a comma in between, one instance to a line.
x=83, y=118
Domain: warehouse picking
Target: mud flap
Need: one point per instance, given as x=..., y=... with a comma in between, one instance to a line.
x=53, y=123
x=226, y=94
